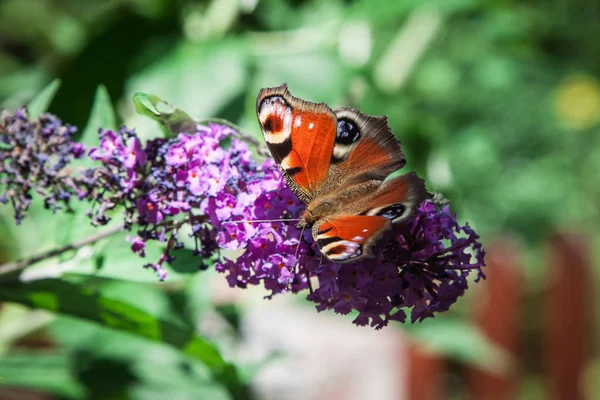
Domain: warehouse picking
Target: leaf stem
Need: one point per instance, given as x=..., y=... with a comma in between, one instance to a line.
x=24, y=263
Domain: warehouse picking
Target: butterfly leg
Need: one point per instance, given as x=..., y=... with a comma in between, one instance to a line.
x=297, y=263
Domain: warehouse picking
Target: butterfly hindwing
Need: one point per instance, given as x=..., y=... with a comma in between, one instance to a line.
x=347, y=238
x=396, y=199
x=300, y=136
x=350, y=235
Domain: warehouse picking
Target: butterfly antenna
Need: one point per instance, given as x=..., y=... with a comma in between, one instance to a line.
x=297, y=250
x=262, y=220
x=300, y=241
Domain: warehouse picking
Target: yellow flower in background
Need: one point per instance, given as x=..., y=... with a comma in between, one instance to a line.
x=577, y=101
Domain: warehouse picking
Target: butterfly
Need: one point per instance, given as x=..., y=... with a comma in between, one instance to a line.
x=336, y=162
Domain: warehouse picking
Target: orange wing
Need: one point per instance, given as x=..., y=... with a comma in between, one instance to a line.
x=349, y=237
x=300, y=136
x=396, y=199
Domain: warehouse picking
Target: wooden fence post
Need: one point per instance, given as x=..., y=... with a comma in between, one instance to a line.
x=499, y=302
x=425, y=371
x=569, y=316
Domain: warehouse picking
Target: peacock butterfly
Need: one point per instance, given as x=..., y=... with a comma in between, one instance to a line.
x=336, y=162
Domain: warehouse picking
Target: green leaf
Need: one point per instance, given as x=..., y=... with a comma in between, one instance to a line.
x=41, y=371
x=208, y=78
x=102, y=115
x=144, y=104
x=17, y=321
x=40, y=103
x=172, y=119
x=87, y=303
x=114, y=259
x=157, y=367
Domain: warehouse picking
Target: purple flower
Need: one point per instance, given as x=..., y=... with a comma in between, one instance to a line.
x=237, y=212
x=415, y=270
x=177, y=155
x=110, y=144
x=149, y=209
x=158, y=267
x=34, y=156
x=133, y=154
x=423, y=269
x=138, y=246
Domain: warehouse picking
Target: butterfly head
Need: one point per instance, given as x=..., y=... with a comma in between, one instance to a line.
x=315, y=211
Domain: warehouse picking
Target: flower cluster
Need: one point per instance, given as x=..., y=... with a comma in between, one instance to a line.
x=203, y=189
x=162, y=185
x=273, y=252
x=424, y=267
x=34, y=156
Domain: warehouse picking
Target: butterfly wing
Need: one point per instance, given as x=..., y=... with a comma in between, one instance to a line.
x=319, y=150
x=347, y=238
x=396, y=199
x=365, y=148
x=351, y=234
x=339, y=156
x=300, y=136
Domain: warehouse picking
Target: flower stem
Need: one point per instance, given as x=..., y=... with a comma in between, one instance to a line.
x=24, y=263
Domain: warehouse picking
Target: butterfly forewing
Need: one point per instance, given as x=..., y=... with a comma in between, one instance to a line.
x=300, y=135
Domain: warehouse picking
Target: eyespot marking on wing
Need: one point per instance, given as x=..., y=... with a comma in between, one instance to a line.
x=328, y=240
x=275, y=117
x=273, y=124
x=343, y=251
x=390, y=212
x=346, y=135
x=347, y=132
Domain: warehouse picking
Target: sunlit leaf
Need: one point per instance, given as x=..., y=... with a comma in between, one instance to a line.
x=101, y=116
x=114, y=259
x=40, y=103
x=85, y=302
x=204, y=78
x=48, y=372
x=172, y=119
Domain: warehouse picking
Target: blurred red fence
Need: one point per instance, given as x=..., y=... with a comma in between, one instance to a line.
x=563, y=345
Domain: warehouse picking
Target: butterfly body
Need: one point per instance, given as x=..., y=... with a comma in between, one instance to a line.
x=337, y=163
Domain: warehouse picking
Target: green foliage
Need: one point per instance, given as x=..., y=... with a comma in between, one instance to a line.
x=173, y=120
x=48, y=372
x=102, y=115
x=86, y=302
x=40, y=103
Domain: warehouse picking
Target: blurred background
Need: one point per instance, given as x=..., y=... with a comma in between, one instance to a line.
x=497, y=104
